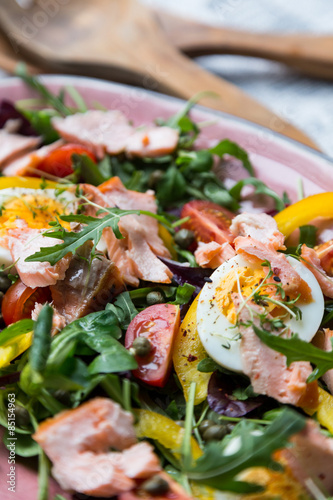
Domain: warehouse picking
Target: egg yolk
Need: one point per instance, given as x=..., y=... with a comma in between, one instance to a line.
x=246, y=280
x=36, y=210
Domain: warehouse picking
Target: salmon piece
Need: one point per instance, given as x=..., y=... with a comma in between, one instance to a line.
x=78, y=441
x=102, y=131
x=267, y=369
x=58, y=321
x=175, y=492
x=323, y=340
x=28, y=164
x=25, y=242
x=99, y=424
x=213, y=254
x=311, y=456
x=255, y=250
x=260, y=227
x=87, y=286
x=14, y=145
x=152, y=141
x=312, y=262
x=136, y=255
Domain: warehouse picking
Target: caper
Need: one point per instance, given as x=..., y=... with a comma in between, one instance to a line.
x=22, y=417
x=205, y=424
x=215, y=433
x=141, y=347
x=184, y=238
x=156, y=485
x=5, y=283
x=154, y=298
x=62, y=396
x=155, y=177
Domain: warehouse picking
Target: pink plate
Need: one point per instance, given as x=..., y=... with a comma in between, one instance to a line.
x=278, y=161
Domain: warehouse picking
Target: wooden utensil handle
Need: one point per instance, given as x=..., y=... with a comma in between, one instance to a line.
x=182, y=77
x=308, y=53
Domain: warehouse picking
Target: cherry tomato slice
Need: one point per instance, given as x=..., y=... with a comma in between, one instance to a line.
x=19, y=301
x=59, y=162
x=159, y=324
x=208, y=221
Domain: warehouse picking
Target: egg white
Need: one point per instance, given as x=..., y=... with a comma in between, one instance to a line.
x=221, y=339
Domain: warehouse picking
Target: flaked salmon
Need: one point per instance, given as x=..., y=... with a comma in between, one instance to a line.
x=260, y=227
x=110, y=132
x=323, y=340
x=14, y=145
x=312, y=261
x=28, y=164
x=311, y=456
x=268, y=370
x=136, y=255
x=26, y=241
x=78, y=442
x=213, y=254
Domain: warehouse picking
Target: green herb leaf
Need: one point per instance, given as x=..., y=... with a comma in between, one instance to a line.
x=172, y=187
x=41, y=343
x=296, y=349
x=207, y=365
x=249, y=445
x=25, y=446
x=87, y=170
x=231, y=148
x=307, y=235
x=260, y=188
x=72, y=241
x=36, y=84
x=184, y=294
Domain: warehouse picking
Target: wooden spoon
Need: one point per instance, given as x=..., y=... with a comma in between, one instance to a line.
x=310, y=54
x=121, y=40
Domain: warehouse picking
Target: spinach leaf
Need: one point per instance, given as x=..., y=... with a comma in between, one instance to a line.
x=124, y=309
x=114, y=358
x=172, y=187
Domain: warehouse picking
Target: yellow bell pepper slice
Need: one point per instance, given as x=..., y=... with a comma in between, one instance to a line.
x=324, y=410
x=13, y=347
x=29, y=183
x=152, y=425
x=188, y=351
x=167, y=239
x=304, y=211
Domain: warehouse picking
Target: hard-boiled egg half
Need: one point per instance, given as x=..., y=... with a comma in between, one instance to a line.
x=35, y=206
x=216, y=313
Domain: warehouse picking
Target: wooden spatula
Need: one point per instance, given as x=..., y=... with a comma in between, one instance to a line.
x=310, y=54
x=121, y=40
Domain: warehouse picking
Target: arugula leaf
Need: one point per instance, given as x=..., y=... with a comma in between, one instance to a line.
x=171, y=187
x=124, y=309
x=87, y=170
x=72, y=241
x=260, y=188
x=308, y=235
x=248, y=445
x=193, y=162
x=231, y=148
x=296, y=349
x=35, y=84
x=41, y=343
x=184, y=294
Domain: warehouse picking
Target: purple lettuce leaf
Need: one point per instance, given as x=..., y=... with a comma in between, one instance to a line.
x=221, y=400
x=9, y=112
x=196, y=276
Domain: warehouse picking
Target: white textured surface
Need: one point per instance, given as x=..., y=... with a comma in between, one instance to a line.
x=308, y=103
